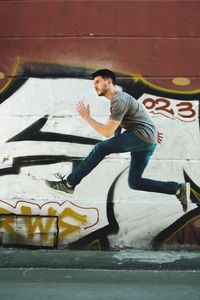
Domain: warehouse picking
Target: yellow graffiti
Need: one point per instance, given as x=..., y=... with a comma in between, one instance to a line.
x=158, y=88
x=42, y=225
x=34, y=223
x=7, y=225
x=94, y=245
x=196, y=194
x=4, y=211
x=197, y=223
x=136, y=77
x=7, y=222
x=14, y=73
x=69, y=228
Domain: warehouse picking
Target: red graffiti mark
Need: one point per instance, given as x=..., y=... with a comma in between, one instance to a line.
x=158, y=104
x=182, y=110
x=187, y=108
x=55, y=203
x=88, y=208
x=5, y=159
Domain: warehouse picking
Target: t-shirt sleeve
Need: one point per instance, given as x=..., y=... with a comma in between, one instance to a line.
x=118, y=110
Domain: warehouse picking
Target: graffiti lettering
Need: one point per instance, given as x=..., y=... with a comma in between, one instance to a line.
x=31, y=225
x=42, y=225
x=182, y=110
x=186, y=107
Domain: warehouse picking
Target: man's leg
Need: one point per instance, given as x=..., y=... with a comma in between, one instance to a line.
x=125, y=142
x=139, y=161
x=121, y=143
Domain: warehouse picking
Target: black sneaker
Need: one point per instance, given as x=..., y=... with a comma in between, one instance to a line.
x=184, y=196
x=60, y=185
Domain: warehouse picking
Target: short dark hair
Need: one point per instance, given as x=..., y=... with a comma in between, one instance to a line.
x=105, y=73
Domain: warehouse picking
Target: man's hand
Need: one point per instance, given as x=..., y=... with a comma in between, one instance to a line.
x=83, y=110
x=159, y=137
x=106, y=130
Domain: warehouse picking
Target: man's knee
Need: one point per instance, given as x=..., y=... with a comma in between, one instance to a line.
x=99, y=148
x=134, y=183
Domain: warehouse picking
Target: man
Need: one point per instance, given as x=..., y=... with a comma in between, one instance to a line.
x=139, y=138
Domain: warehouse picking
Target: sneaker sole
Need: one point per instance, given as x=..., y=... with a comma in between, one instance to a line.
x=58, y=191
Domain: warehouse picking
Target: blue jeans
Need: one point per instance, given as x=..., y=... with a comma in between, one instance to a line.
x=140, y=156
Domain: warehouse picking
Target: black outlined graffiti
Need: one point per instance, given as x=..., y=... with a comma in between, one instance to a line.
x=34, y=133
x=100, y=238
x=182, y=234
x=134, y=87
x=195, y=190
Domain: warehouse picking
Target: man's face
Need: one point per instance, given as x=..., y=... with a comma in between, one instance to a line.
x=101, y=85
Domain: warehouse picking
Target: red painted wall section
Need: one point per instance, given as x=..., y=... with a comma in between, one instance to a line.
x=159, y=40
x=105, y=18
x=154, y=46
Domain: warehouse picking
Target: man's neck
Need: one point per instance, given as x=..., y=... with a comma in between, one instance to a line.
x=110, y=93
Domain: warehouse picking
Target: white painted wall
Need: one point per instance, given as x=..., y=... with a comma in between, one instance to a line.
x=140, y=215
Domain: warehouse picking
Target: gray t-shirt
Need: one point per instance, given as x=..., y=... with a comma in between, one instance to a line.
x=133, y=117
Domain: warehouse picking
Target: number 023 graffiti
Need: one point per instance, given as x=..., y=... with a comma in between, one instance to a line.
x=183, y=110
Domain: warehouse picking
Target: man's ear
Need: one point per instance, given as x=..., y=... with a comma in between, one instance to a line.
x=109, y=81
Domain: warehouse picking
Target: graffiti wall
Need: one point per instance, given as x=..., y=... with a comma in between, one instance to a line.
x=48, y=50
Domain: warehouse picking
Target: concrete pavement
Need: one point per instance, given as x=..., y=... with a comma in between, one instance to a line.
x=64, y=284
x=107, y=260
x=114, y=275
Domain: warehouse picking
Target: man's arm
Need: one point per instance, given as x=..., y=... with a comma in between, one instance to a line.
x=106, y=130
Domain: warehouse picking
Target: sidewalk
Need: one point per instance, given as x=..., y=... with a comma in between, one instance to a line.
x=108, y=260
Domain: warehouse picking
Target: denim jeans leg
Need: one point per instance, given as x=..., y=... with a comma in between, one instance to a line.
x=139, y=161
x=124, y=142
x=140, y=155
x=86, y=166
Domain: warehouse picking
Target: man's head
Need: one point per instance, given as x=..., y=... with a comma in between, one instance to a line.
x=104, y=80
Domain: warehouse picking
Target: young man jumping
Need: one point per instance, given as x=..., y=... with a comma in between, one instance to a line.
x=139, y=138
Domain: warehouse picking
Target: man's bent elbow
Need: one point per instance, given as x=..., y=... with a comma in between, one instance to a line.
x=107, y=134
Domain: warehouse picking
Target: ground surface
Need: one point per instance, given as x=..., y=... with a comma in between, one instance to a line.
x=61, y=284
